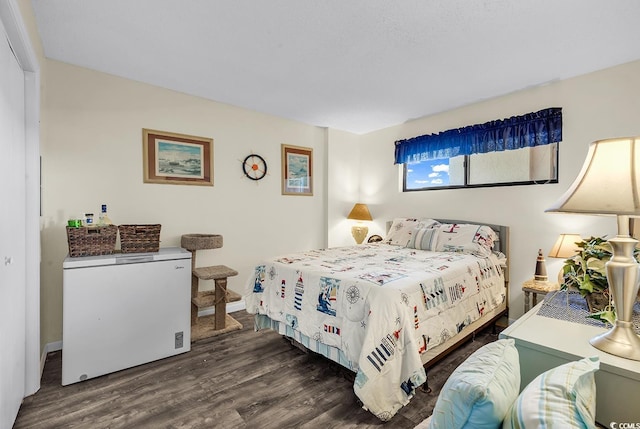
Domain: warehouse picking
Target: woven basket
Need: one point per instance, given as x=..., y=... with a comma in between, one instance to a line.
x=139, y=238
x=92, y=241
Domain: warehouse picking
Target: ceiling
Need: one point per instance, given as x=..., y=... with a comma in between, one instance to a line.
x=354, y=65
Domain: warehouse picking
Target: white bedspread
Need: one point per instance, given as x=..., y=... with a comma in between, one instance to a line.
x=382, y=305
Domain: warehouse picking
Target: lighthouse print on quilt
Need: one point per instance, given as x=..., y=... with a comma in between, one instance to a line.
x=298, y=292
x=327, y=295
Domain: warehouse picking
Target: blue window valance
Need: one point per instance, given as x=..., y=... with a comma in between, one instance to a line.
x=533, y=129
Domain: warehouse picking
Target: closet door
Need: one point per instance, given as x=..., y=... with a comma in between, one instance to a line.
x=12, y=234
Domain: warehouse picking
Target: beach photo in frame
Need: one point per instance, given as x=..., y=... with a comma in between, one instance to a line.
x=177, y=159
x=297, y=170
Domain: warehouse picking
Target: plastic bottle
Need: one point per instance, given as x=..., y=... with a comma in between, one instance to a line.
x=104, y=218
x=88, y=219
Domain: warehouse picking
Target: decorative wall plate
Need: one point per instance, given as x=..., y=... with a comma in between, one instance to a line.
x=254, y=167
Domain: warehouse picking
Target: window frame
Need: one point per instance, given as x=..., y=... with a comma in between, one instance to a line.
x=466, y=184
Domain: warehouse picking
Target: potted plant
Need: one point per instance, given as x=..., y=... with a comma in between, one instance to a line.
x=586, y=273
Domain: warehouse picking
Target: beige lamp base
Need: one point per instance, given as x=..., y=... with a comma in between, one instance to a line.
x=359, y=233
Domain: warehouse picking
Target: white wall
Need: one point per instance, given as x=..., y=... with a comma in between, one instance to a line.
x=92, y=154
x=343, y=186
x=599, y=105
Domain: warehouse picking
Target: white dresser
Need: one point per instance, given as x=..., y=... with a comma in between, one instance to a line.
x=124, y=310
x=544, y=343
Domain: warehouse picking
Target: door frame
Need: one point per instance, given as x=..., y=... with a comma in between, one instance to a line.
x=20, y=42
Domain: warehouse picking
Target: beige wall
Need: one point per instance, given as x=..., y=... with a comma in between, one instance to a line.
x=599, y=105
x=92, y=154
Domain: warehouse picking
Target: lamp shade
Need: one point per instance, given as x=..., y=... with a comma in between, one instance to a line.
x=565, y=246
x=609, y=182
x=360, y=212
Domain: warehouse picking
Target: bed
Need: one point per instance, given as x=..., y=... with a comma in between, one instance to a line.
x=387, y=310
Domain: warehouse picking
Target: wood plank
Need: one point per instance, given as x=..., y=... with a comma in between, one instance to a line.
x=242, y=379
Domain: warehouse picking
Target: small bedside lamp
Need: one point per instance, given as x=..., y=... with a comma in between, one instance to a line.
x=359, y=213
x=609, y=184
x=564, y=248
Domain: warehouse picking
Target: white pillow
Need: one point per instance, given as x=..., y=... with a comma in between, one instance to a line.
x=563, y=397
x=402, y=229
x=466, y=238
x=479, y=392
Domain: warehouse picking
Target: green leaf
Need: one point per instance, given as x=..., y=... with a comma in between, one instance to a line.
x=597, y=265
x=586, y=284
x=607, y=315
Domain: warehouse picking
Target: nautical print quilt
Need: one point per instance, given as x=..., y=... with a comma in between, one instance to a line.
x=381, y=305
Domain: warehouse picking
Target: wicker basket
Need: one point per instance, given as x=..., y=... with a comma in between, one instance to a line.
x=139, y=238
x=92, y=241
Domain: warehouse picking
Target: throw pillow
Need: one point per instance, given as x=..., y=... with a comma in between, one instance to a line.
x=563, y=397
x=423, y=239
x=402, y=229
x=480, y=391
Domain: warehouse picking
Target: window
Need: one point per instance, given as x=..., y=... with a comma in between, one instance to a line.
x=526, y=166
x=520, y=150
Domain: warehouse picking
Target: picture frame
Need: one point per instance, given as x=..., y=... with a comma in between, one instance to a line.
x=177, y=159
x=297, y=170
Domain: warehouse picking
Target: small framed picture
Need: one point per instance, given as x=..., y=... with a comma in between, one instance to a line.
x=177, y=159
x=297, y=170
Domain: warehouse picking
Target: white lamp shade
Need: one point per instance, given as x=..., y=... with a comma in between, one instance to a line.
x=609, y=180
x=565, y=246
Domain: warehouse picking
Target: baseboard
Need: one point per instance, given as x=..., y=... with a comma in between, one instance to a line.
x=48, y=348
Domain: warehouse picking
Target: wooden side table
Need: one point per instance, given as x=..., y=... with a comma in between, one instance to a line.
x=536, y=287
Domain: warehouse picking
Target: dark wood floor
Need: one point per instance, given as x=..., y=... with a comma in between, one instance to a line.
x=243, y=379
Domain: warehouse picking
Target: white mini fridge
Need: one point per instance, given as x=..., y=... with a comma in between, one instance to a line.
x=124, y=310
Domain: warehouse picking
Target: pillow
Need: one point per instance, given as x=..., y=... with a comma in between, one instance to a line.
x=565, y=395
x=480, y=391
x=402, y=228
x=423, y=239
x=466, y=238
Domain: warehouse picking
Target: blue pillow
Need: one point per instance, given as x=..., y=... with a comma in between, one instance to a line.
x=480, y=391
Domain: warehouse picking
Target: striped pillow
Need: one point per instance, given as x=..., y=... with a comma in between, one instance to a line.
x=423, y=239
x=564, y=396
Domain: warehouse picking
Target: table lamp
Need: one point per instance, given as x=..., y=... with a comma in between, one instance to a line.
x=359, y=213
x=565, y=247
x=609, y=184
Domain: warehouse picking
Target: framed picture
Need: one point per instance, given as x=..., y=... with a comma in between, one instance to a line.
x=177, y=159
x=297, y=170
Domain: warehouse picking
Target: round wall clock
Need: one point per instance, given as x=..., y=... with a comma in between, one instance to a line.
x=254, y=167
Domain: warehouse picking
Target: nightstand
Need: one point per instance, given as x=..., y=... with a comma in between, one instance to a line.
x=544, y=343
x=536, y=287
